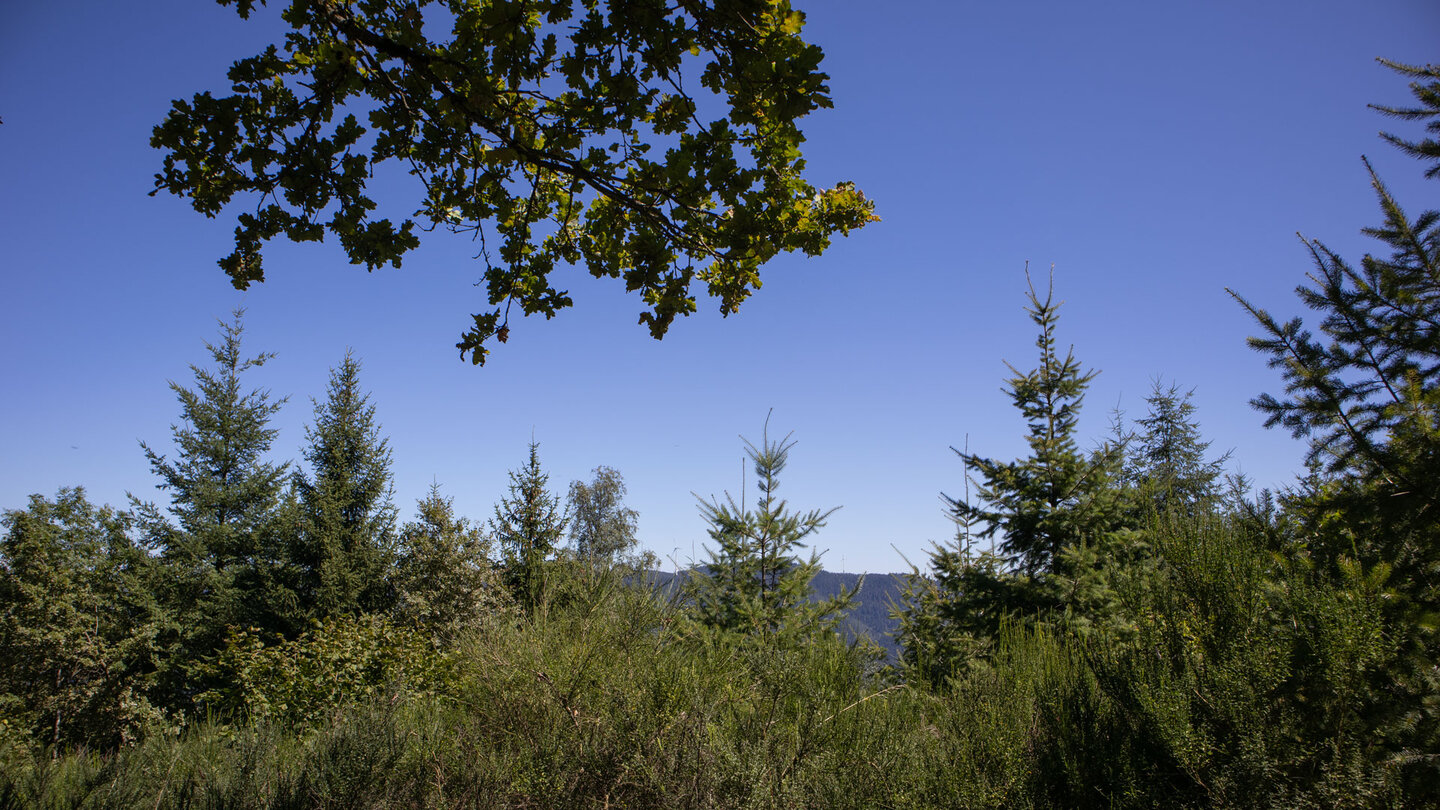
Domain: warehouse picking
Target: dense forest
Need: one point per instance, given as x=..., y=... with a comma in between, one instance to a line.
x=1117, y=621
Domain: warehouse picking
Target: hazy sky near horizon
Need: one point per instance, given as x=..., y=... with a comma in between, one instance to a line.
x=1155, y=153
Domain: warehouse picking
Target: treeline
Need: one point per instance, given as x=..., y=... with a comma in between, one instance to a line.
x=123, y=623
x=1119, y=624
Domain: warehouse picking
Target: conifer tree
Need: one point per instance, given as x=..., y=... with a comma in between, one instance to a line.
x=756, y=584
x=601, y=526
x=224, y=557
x=1365, y=392
x=347, y=537
x=1167, y=466
x=528, y=524
x=1058, y=496
x=1058, y=515
x=445, y=581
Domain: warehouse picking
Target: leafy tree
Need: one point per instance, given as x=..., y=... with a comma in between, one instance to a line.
x=445, y=581
x=755, y=583
x=347, y=516
x=224, y=558
x=1365, y=392
x=78, y=627
x=556, y=132
x=1167, y=465
x=601, y=526
x=528, y=524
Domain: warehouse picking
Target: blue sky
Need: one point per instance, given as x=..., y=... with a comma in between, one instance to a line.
x=1155, y=153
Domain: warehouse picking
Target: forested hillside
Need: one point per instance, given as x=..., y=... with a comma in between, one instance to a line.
x=1118, y=621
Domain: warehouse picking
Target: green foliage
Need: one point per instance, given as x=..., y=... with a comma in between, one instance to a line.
x=338, y=663
x=1167, y=465
x=1058, y=496
x=346, y=535
x=1427, y=93
x=755, y=584
x=1252, y=678
x=222, y=489
x=1365, y=392
x=1244, y=693
x=528, y=524
x=1059, y=515
x=444, y=579
x=77, y=632
x=601, y=526
x=593, y=704
x=224, y=562
x=559, y=133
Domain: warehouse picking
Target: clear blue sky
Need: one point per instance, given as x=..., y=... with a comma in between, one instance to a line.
x=1154, y=152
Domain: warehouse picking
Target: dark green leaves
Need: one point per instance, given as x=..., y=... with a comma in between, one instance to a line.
x=554, y=133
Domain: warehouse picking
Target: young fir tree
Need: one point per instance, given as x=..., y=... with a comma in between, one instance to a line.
x=78, y=626
x=346, y=543
x=1167, y=467
x=445, y=581
x=1058, y=496
x=1365, y=392
x=755, y=583
x=1058, y=516
x=528, y=524
x=601, y=526
x=224, y=558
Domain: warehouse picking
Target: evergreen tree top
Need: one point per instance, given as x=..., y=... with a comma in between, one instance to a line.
x=347, y=502
x=1050, y=395
x=1168, y=462
x=344, y=443
x=755, y=583
x=219, y=478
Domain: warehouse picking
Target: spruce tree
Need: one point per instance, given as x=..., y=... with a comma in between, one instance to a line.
x=1058, y=496
x=224, y=557
x=1167, y=466
x=1058, y=515
x=445, y=581
x=755, y=583
x=1365, y=391
x=347, y=537
x=528, y=524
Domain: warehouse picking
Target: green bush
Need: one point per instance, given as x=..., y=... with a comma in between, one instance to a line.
x=338, y=663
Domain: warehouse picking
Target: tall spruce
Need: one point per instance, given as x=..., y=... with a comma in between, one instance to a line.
x=1059, y=495
x=346, y=544
x=224, y=558
x=755, y=583
x=528, y=524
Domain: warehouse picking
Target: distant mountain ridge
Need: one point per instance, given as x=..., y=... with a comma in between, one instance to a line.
x=868, y=617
